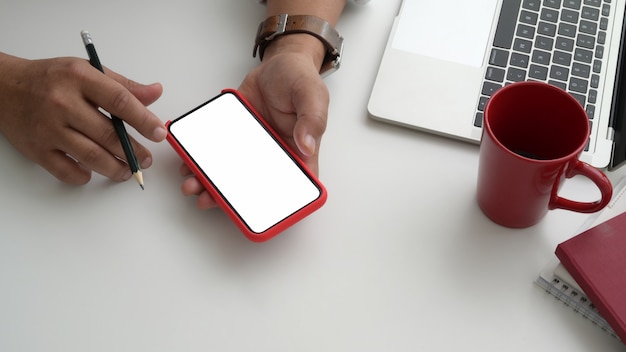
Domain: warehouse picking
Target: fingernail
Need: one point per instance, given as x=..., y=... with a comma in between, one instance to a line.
x=309, y=145
x=159, y=134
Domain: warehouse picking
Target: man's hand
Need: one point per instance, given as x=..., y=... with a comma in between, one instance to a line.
x=49, y=112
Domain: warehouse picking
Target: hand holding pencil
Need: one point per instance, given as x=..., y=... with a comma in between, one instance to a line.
x=48, y=113
x=118, y=124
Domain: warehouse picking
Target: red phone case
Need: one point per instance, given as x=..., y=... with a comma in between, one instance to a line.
x=245, y=229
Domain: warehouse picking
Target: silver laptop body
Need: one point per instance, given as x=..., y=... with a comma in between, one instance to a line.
x=444, y=59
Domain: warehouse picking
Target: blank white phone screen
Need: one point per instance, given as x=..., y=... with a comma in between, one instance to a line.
x=246, y=165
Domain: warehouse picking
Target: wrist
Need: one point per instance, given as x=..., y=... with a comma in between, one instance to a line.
x=304, y=34
x=300, y=43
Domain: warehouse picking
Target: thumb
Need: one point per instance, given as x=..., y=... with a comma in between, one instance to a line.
x=312, y=115
x=307, y=140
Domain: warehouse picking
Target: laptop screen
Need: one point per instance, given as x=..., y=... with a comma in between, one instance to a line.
x=618, y=110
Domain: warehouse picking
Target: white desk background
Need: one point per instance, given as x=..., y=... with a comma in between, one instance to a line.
x=399, y=259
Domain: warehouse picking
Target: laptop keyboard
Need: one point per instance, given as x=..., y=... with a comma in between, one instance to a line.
x=560, y=42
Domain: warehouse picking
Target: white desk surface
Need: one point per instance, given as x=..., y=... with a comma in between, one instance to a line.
x=399, y=259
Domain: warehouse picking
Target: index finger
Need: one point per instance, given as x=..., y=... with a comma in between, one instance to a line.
x=116, y=99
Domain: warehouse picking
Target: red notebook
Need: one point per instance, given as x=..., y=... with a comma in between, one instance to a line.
x=596, y=259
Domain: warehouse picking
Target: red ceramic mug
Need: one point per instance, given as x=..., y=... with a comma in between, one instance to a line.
x=533, y=135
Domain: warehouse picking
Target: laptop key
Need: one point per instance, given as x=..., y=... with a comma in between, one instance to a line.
x=568, y=30
x=581, y=70
x=515, y=75
x=549, y=15
x=597, y=66
x=495, y=74
x=585, y=41
x=525, y=31
x=595, y=81
x=506, y=24
x=519, y=60
x=482, y=102
x=581, y=98
x=604, y=23
x=599, y=51
x=555, y=4
x=538, y=72
x=569, y=16
x=541, y=57
x=588, y=27
x=544, y=43
x=499, y=57
x=572, y=4
x=578, y=85
x=558, y=84
x=583, y=55
x=490, y=87
x=591, y=111
x=547, y=29
x=562, y=58
x=478, y=120
x=590, y=13
x=595, y=3
x=560, y=73
x=528, y=17
x=531, y=4
x=522, y=45
x=565, y=44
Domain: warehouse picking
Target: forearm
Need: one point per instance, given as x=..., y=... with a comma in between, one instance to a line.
x=329, y=10
x=11, y=87
x=8, y=64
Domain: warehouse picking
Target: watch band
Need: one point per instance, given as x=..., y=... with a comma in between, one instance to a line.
x=282, y=24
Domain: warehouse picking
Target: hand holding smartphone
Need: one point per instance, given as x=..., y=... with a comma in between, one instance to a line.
x=259, y=182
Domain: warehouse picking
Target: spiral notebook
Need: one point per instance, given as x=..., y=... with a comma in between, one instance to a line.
x=557, y=281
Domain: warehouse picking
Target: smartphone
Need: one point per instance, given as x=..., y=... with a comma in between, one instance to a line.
x=253, y=175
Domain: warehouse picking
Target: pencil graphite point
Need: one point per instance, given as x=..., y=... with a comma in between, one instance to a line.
x=139, y=177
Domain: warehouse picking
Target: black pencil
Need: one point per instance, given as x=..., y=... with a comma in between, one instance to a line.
x=118, y=124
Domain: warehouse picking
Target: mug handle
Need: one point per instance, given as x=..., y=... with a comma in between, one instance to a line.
x=596, y=176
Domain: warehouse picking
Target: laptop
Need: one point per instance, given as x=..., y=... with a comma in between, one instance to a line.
x=444, y=59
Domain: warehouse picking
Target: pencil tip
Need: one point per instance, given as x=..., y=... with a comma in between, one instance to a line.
x=139, y=177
